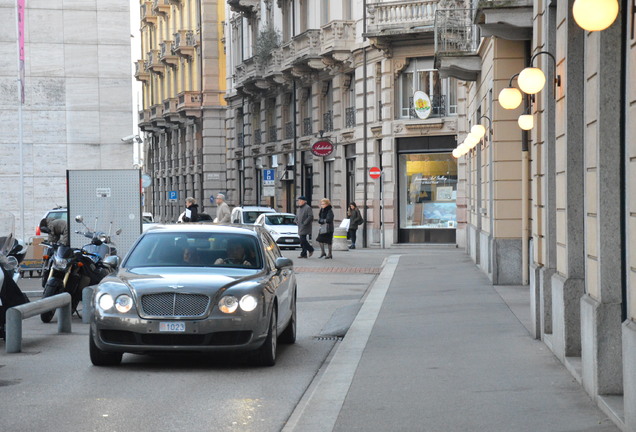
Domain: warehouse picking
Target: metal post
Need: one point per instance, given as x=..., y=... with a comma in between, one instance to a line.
x=13, y=331
x=64, y=318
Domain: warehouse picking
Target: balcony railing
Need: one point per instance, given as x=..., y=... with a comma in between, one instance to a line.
x=166, y=53
x=271, y=135
x=140, y=71
x=307, y=126
x=161, y=7
x=184, y=42
x=327, y=121
x=257, y=136
x=438, y=107
x=289, y=130
x=405, y=15
x=302, y=48
x=153, y=64
x=146, y=14
x=338, y=36
x=350, y=117
x=455, y=32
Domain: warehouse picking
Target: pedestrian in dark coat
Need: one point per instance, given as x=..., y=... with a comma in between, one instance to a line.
x=304, y=218
x=355, y=220
x=191, y=213
x=325, y=234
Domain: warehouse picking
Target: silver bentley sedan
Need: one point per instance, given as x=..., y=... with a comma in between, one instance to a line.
x=197, y=288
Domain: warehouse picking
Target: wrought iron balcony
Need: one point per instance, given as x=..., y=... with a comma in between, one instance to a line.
x=271, y=136
x=509, y=19
x=289, y=130
x=307, y=130
x=456, y=43
x=167, y=55
x=147, y=15
x=327, y=121
x=161, y=7
x=141, y=74
x=184, y=44
x=153, y=64
x=438, y=107
x=350, y=117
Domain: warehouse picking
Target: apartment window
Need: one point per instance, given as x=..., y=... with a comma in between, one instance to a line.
x=324, y=12
x=271, y=119
x=350, y=156
x=256, y=123
x=420, y=75
x=327, y=106
x=306, y=111
x=328, y=178
x=350, y=100
x=288, y=119
x=288, y=18
x=346, y=9
x=304, y=15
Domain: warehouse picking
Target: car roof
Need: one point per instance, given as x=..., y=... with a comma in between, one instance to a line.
x=255, y=208
x=204, y=227
x=280, y=214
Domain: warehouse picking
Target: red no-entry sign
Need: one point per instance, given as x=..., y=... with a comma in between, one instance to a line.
x=375, y=172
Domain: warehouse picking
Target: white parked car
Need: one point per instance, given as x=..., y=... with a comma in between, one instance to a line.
x=282, y=227
x=248, y=214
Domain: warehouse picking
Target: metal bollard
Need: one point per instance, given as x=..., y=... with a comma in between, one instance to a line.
x=87, y=293
x=340, y=242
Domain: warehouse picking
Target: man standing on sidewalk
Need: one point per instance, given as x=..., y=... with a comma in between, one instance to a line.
x=304, y=218
x=223, y=210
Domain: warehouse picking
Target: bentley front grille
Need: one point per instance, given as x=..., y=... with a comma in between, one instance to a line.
x=174, y=305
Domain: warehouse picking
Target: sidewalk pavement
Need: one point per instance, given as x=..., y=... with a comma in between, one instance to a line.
x=435, y=347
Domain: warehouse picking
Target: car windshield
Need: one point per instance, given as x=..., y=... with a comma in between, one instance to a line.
x=195, y=249
x=280, y=220
x=249, y=217
x=57, y=214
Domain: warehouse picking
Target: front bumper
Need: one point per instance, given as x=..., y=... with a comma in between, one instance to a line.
x=216, y=333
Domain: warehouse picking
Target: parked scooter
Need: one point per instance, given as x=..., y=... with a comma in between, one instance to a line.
x=73, y=269
x=10, y=293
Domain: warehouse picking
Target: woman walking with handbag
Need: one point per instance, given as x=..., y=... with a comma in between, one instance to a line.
x=325, y=233
x=355, y=220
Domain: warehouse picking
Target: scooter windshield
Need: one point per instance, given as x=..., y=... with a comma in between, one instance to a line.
x=64, y=251
x=7, y=229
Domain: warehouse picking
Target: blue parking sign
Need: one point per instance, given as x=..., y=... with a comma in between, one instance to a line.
x=269, y=176
x=173, y=195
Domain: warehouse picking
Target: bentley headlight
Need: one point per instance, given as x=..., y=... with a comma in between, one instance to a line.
x=248, y=303
x=123, y=303
x=106, y=302
x=228, y=304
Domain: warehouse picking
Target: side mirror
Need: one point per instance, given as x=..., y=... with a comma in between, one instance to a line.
x=112, y=261
x=282, y=262
x=79, y=219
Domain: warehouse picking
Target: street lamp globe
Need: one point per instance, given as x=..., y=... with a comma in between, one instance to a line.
x=509, y=98
x=595, y=15
x=526, y=121
x=478, y=130
x=531, y=80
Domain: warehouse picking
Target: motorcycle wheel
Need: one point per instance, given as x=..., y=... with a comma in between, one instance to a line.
x=53, y=286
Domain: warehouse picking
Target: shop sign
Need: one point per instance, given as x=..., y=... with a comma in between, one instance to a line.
x=322, y=148
x=422, y=104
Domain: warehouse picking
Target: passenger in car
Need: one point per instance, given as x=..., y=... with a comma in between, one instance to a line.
x=190, y=256
x=236, y=254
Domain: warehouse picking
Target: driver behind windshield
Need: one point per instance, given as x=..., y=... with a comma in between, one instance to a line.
x=236, y=254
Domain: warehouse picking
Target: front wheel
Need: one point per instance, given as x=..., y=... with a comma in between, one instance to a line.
x=266, y=354
x=102, y=358
x=53, y=286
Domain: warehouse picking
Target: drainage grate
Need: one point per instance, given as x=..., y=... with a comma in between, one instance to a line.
x=328, y=338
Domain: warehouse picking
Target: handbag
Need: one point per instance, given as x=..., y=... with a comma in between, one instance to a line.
x=345, y=223
x=322, y=229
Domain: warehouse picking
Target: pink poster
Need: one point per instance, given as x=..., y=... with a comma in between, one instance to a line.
x=21, y=45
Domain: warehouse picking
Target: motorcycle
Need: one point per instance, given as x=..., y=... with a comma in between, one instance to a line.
x=73, y=269
x=10, y=257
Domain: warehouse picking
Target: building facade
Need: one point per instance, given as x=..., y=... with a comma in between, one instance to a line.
x=565, y=187
x=347, y=72
x=183, y=114
x=77, y=100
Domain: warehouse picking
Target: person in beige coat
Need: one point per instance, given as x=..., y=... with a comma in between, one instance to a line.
x=223, y=210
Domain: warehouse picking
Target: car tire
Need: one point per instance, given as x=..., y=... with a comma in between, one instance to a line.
x=288, y=336
x=53, y=286
x=102, y=358
x=266, y=354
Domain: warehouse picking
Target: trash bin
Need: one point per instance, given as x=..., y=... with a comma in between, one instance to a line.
x=340, y=242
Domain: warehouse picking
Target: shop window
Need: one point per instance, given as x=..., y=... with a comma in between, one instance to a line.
x=428, y=197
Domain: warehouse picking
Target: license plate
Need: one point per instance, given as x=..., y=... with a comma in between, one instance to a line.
x=289, y=240
x=172, y=326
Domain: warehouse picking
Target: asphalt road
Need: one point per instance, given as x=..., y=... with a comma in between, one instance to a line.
x=53, y=386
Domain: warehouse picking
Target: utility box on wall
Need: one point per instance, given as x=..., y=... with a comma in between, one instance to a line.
x=108, y=200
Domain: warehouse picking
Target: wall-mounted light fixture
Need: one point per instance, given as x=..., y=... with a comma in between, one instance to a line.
x=479, y=129
x=595, y=15
x=510, y=97
x=531, y=79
